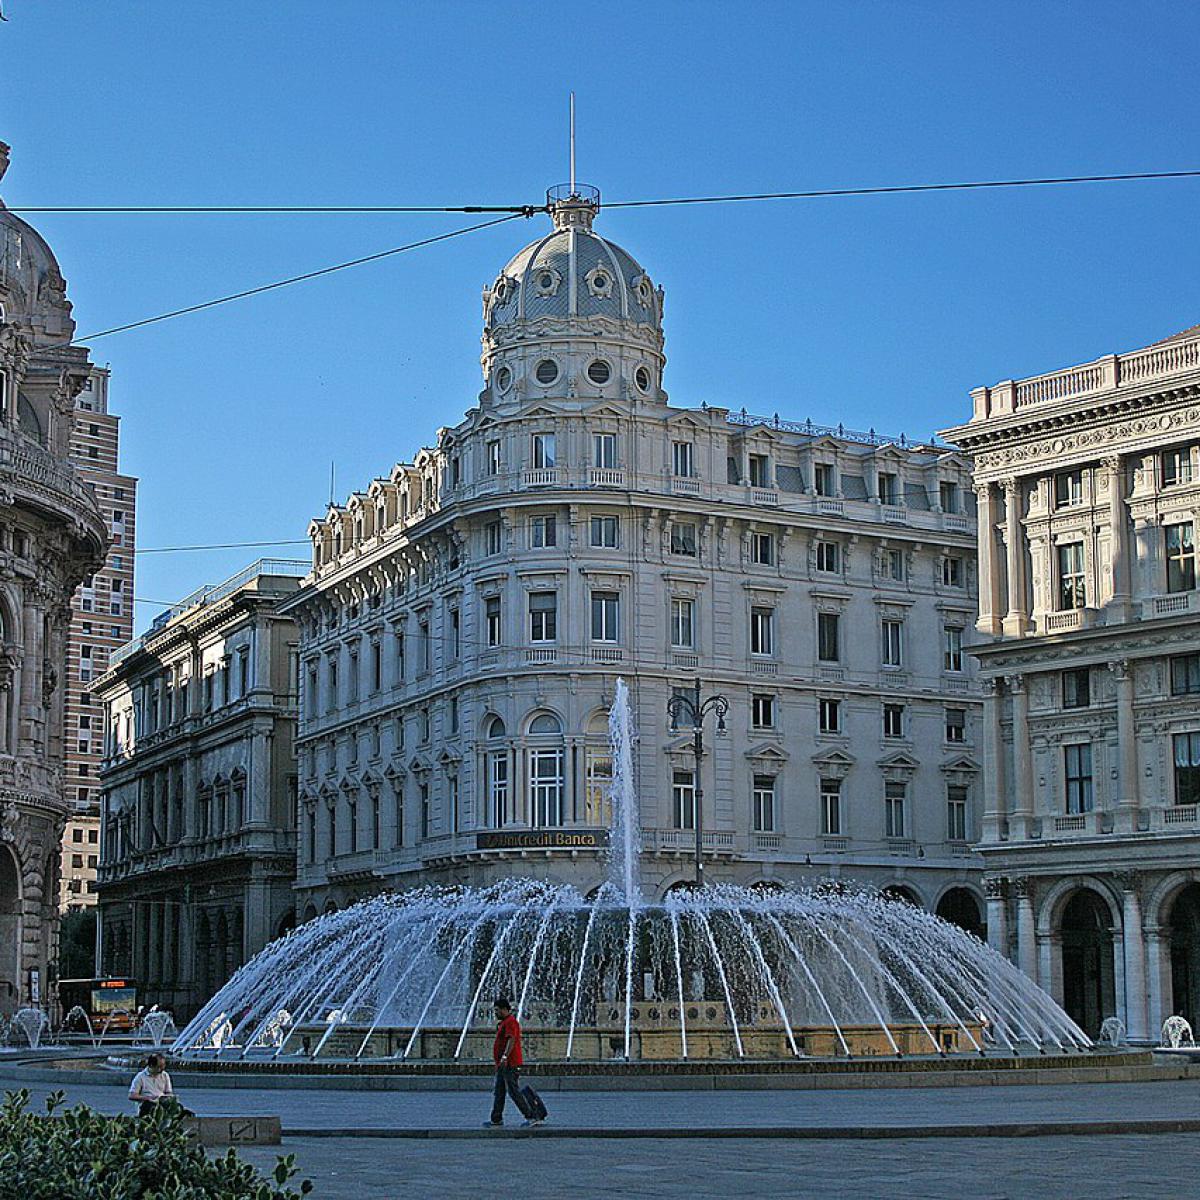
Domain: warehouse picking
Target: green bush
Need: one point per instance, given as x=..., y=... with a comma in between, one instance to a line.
x=79, y=1154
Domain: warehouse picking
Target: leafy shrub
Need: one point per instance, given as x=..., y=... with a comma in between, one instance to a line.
x=79, y=1154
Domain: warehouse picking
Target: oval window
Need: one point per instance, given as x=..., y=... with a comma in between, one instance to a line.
x=642, y=378
x=503, y=378
x=601, y=282
x=546, y=280
x=599, y=371
x=547, y=371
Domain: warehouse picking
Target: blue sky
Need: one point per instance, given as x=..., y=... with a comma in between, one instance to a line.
x=877, y=312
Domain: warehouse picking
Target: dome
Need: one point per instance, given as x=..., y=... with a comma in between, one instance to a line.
x=573, y=289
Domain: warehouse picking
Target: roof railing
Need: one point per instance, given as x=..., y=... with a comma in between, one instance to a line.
x=809, y=428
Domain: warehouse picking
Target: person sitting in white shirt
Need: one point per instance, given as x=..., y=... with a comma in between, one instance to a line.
x=151, y=1086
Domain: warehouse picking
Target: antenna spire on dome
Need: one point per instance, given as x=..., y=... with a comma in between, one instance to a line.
x=572, y=143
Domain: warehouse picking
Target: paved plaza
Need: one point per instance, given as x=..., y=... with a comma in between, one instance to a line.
x=1098, y=1167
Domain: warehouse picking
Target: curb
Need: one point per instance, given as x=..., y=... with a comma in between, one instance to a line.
x=792, y=1133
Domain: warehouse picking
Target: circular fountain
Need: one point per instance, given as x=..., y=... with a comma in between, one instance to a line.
x=712, y=974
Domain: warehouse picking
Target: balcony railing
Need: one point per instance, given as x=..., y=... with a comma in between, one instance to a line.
x=830, y=506
x=547, y=654
x=1181, y=814
x=715, y=841
x=683, y=485
x=1075, y=823
x=609, y=477
x=1173, y=605
x=762, y=495
x=541, y=477
x=606, y=654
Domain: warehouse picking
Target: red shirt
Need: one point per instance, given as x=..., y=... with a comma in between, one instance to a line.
x=509, y=1028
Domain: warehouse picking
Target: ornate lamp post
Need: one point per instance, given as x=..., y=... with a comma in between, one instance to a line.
x=689, y=707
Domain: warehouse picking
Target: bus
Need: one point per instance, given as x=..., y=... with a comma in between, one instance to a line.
x=104, y=1000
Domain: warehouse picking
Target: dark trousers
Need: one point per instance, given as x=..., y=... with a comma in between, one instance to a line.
x=508, y=1079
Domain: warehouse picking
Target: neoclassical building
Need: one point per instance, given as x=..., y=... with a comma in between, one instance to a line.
x=51, y=537
x=467, y=616
x=1088, y=484
x=198, y=789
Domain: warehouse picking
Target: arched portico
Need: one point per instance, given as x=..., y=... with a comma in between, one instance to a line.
x=1183, y=927
x=962, y=907
x=1087, y=959
x=904, y=892
x=10, y=931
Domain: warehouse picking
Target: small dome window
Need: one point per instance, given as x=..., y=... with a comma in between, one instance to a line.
x=503, y=379
x=600, y=282
x=500, y=290
x=644, y=291
x=546, y=281
x=599, y=371
x=642, y=378
x=546, y=371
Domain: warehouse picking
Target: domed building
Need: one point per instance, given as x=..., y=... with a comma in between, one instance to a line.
x=52, y=536
x=469, y=612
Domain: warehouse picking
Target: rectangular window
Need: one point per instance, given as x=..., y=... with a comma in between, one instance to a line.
x=760, y=471
x=1077, y=761
x=543, y=531
x=893, y=720
x=956, y=814
x=683, y=799
x=452, y=714
x=425, y=813
x=1181, y=557
x=492, y=466
x=544, y=450
x=763, y=801
x=1185, y=675
x=827, y=556
x=604, y=450
x=893, y=643
x=1176, y=466
x=1068, y=488
x=956, y=725
x=830, y=716
x=683, y=538
x=604, y=533
x=893, y=565
x=889, y=492
x=1072, y=592
x=598, y=788
x=762, y=711
x=352, y=677
x=762, y=549
x=491, y=619
x=824, y=483
x=829, y=637
x=605, y=616
x=952, y=571
x=948, y=497
x=424, y=648
x=762, y=631
x=455, y=633
x=543, y=616
x=546, y=787
x=376, y=666
x=1076, y=688
x=497, y=789
x=426, y=726
x=831, y=807
x=683, y=624
x=491, y=538
x=1187, y=768
x=681, y=459
x=952, y=653
x=893, y=809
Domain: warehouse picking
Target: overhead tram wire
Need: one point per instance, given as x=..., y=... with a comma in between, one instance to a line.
x=528, y=210
x=282, y=283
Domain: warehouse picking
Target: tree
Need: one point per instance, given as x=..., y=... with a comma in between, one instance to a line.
x=77, y=944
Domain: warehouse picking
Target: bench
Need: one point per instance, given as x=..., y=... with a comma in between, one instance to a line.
x=235, y=1131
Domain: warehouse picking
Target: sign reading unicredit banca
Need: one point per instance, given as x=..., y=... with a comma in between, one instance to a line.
x=542, y=839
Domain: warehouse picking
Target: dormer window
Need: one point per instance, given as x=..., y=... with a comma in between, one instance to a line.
x=889, y=491
x=824, y=483
x=948, y=496
x=760, y=471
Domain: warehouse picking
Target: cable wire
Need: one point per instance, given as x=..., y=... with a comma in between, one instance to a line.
x=220, y=546
x=281, y=283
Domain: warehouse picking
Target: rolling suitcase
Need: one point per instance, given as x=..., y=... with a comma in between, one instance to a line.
x=537, y=1110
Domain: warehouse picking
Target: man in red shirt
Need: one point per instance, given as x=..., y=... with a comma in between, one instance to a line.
x=506, y=1053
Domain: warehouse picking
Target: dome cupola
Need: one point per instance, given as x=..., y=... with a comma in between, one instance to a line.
x=572, y=314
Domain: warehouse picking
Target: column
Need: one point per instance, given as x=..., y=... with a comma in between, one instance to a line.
x=31, y=675
x=1022, y=757
x=1159, y=992
x=168, y=972
x=1134, y=947
x=1121, y=603
x=993, y=827
x=1027, y=949
x=1016, y=620
x=990, y=616
x=1125, y=819
x=997, y=914
x=259, y=778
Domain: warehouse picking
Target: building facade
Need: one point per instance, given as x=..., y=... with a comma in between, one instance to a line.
x=467, y=617
x=51, y=537
x=1088, y=487
x=101, y=620
x=198, y=789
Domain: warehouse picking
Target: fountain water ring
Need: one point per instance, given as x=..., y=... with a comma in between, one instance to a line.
x=32, y=1023
x=718, y=973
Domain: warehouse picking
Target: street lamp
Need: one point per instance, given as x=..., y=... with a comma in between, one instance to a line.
x=689, y=707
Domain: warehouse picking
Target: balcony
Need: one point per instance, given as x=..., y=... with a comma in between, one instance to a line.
x=548, y=654
x=685, y=485
x=604, y=477
x=956, y=523
x=835, y=845
x=1174, y=605
x=1067, y=621
x=894, y=514
x=536, y=477
x=758, y=667
x=761, y=495
x=605, y=654
x=688, y=661
x=766, y=841
x=829, y=506
x=717, y=841
x=1077, y=823
x=1180, y=814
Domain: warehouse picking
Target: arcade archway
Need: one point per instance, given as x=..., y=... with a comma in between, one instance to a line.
x=1089, y=992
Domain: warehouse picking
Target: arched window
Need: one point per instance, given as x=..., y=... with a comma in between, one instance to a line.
x=599, y=773
x=546, y=776
x=497, y=803
x=495, y=728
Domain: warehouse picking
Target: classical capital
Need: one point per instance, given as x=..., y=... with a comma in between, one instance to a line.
x=1015, y=683
x=995, y=888
x=1130, y=880
x=1120, y=668
x=1021, y=887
